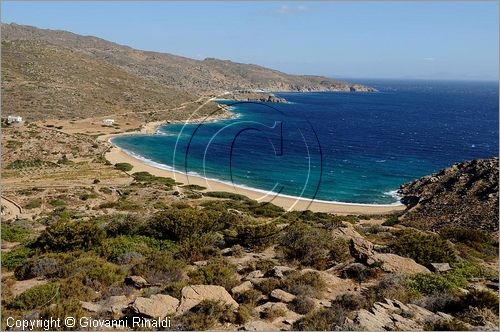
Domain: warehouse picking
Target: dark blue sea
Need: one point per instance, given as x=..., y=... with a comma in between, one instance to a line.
x=344, y=147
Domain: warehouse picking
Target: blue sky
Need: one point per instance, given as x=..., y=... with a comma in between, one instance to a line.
x=429, y=40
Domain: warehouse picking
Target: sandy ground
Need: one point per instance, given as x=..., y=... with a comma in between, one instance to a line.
x=116, y=155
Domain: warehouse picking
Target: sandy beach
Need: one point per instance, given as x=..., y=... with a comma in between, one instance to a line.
x=117, y=155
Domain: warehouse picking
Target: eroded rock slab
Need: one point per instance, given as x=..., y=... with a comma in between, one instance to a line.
x=156, y=306
x=194, y=294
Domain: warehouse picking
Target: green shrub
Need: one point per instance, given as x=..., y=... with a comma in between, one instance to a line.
x=391, y=219
x=121, y=224
x=74, y=288
x=249, y=297
x=430, y=283
x=14, y=233
x=160, y=267
x=256, y=235
x=359, y=272
x=94, y=271
x=216, y=272
x=33, y=204
x=65, y=161
x=479, y=316
x=266, y=286
x=392, y=286
x=244, y=314
x=86, y=196
x=480, y=299
x=272, y=313
x=113, y=249
x=325, y=319
x=57, y=202
x=423, y=248
x=46, y=265
x=302, y=305
x=146, y=177
x=469, y=270
x=304, y=284
x=63, y=309
x=125, y=167
x=351, y=301
x=199, y=247
x=465, y=235
x=106, y=190
x=227, y=195
x=194, y=187
x=446, y=325
x=313, y=246
x=40, y=296
x=178, y=224
x=16, y=257
x=71, y=235
x=206, y=315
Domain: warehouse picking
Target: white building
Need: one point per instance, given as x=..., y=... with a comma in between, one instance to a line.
x=14, y=119
x=108, y=122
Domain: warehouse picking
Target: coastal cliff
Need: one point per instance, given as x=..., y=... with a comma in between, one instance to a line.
x=463, y=195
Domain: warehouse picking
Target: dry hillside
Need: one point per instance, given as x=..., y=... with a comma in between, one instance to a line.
x=41, y=80
x=209, y=75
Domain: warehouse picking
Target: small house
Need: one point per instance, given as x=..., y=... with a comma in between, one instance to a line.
x=108, y=122
x=12, y=119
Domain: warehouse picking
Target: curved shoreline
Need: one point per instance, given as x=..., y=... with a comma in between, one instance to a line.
x=117, y=155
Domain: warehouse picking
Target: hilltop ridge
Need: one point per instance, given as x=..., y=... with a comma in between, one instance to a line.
x=208, y=75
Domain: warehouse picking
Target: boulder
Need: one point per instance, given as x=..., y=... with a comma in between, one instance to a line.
x=259, y=325
x=114, y=305
x=253, y=275
x=156, y=306
x=282, y=296
x=279, y=271
x=194, y=294
x=271, y=306
x=346, y=232
x=394, y=315
x=361, y=249
x=91, y=306
x=247, y=285
x=136, y=281
x=392, y=263
x=440, y=267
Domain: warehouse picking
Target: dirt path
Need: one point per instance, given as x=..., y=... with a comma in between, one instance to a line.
x=12, y=209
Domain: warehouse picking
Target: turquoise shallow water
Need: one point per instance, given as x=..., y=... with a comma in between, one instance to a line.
x=345, y=147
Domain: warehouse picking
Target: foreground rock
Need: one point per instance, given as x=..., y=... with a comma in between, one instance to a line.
x=282, y=296
x=396, y=264
x=194, y=294
x=156, y=306
x=114, y=305
x=393, y=315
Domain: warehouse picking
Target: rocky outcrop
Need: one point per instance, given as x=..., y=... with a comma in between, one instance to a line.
x=393, y=315
x=282, y=296
x=194, y=294
x=247, y=285
x=156, y=306
x=361, y=249
x=463, y=195
x=136, y=281
x=255, y=97
x=114, y=305
x=392, y=263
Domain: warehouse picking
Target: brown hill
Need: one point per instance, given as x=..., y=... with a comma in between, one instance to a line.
x=42, y=80
x=209, y=75
x=463, y=195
